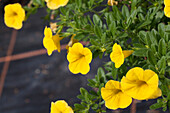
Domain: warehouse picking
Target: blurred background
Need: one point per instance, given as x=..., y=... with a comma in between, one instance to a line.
x=30, y=79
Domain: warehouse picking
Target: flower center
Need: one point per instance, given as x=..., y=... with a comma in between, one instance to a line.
x=118, y=91
x=140, y=83
x=81, y=56
x=14, y=14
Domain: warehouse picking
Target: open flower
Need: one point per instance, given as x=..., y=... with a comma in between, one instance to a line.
x=117, y=56
x=141, y=84
x=51, y=42
x=60, y=106
x=55, y=4
x=79, y=59
x=14, y=15
x=112, y=2
x=113, y=95
x=167, y=8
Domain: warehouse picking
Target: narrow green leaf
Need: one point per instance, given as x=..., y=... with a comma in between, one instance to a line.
x=151, y=57
x=162, y=47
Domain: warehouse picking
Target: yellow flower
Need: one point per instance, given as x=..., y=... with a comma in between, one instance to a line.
x=112, y=2
x=113, y=95
x=51, y=42
x=117, y=56
x=141, y=84
x=14, y=15
x=71, y=42
x=55, y=4
x=60, y=106
x=79, y=59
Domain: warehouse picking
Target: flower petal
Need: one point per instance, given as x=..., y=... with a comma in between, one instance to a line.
x=61, y=105
x=88, y=55
x=53, y=108
x=68, y=110
x=127, y=53
x=79, y=66
x=167, y=2
x=135, y=74
x=167, y=11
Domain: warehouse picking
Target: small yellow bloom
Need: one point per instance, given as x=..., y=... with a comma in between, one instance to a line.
x=60, y=106
x=141, y=84
x=14, y=15
x=71, y=42
x=112, y=2
x=114, y=97
x=51, y=42
x=79, y=59
x=117, y=56
x=55, y=4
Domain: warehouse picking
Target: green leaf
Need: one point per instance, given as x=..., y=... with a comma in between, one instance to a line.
x=79, y=106
x=142, y=36
x=156, y=106
x=144, y=23
x=162, y=47
x=161, y=29
x=97, y=20
x=112, y=27
x=141, y=52
x=114, y=71
x=117, y=12
x=101, y=75
x=125, y=11
x=98, y=31
x=148, y=39
x=151, y=57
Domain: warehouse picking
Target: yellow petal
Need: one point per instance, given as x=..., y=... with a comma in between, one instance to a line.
x=117, y=56
x=156, y=94
x=49, y=45
x=61, y=105
x=151, y=78
x=47, y=32
x=75, y=52
x=53, y=108
x=79, y=66
x=124, y=100
x=127, y=53
x=53, y=4
x=88, y=55
x=167, y=11
x=56, y=38
x=135, y=74
x=167, y=2
x=68, y=110
x=63, y=2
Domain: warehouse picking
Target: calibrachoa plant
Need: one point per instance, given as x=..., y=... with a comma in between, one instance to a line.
x=133, y=33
